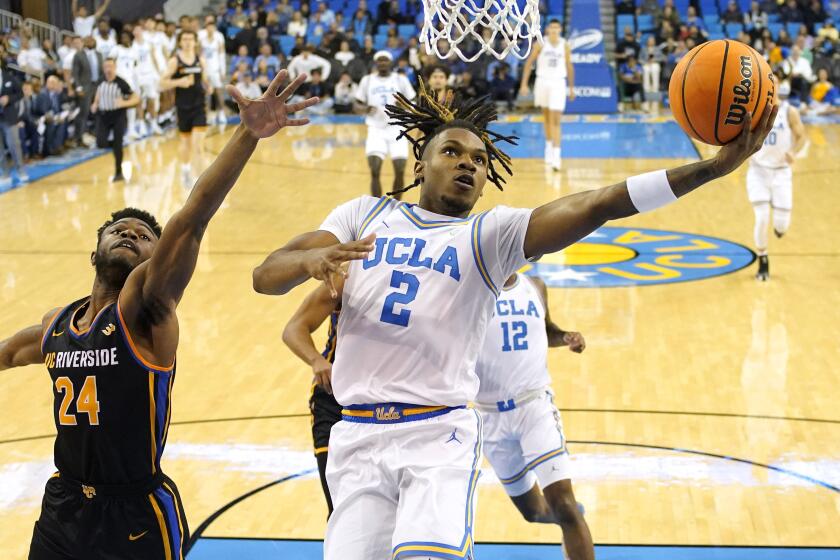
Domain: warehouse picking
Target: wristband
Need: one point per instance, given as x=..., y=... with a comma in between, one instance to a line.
x=649, y=191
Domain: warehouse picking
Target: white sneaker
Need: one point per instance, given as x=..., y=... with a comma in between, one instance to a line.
x=156, y=130
x=221, y=118
x=549, y=155
x=142, y=130
x=5, y=183
x=23, y=178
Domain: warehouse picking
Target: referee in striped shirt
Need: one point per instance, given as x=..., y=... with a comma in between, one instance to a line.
x=113, y=96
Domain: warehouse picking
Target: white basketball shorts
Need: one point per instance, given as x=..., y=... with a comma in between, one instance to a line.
x=550, y=94
x=768, y=185
x=214, y=78
x=382, y=141
x=526, y=445
x=403, y=488
x=148, y=86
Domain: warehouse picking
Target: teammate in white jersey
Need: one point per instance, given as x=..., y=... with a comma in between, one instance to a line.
x=212, y=46
x=555, y=82
x=148, y=82
x=106, y=38
x=126, y=57
x=523, y=432
x=770, y=178
x=420, y=290
x=375, y=91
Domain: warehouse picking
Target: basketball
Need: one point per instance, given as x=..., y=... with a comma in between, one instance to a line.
x=715, y=85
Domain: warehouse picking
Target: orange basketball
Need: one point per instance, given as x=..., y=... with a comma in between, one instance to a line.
x=715, y=85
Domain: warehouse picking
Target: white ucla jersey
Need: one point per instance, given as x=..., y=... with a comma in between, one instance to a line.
x=378, y=91
x=126, y=58
x=144, y=52
x=104, y=45
x=210, y=48
x=413, y=313
x=513, y=357
x=777, y=143
x=551, y=62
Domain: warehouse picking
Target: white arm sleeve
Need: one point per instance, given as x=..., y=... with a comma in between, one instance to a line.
x=502, y=237
x=344, y=221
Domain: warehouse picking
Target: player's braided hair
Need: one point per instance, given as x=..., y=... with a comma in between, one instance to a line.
x=431, y=117
x=141, y=215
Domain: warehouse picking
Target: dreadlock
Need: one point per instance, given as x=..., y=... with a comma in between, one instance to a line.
x=141, y=215
x=431, y=117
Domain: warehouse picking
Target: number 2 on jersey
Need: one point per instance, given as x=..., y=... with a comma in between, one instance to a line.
x=88, y=402
x=398, y=280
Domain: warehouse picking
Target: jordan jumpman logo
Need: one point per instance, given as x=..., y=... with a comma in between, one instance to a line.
x=453, y=437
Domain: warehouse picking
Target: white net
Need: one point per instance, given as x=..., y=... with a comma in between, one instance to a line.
x=470, y=28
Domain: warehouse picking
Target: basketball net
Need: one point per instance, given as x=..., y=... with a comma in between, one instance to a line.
x=470, y=28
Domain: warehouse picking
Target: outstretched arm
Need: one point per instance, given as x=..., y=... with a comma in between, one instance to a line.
x=298, y=333
x=101, y=10
x=24, y=348
x=558, y=224
x=172, y=264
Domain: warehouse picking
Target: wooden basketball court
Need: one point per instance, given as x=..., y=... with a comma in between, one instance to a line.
x=703, y=412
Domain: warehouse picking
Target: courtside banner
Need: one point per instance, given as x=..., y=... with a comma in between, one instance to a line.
x=594, y=82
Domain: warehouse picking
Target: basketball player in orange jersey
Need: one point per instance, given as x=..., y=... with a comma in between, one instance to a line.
x=555, y=82
x=315, y=309
x=420, y=290
x=111, y=357
x=770, y=178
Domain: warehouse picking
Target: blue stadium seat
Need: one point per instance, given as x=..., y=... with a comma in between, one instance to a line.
x=232, y=31
x=549, y=17
x=286, y=44
x=407, y=30
x=644, y=22
x=710, y=20
x=709, y=8
x=715, y=28
x=622, y=21
x=817, y=27
x=774, y=29
x=379, y=42
x=745, y=5
x=715, y=35
x=682, y=8
x=774, y=18
x=556, y=6
x=793, y=28
x=733, y=30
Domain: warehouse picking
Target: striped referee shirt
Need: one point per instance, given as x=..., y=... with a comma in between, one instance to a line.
x=110, y=92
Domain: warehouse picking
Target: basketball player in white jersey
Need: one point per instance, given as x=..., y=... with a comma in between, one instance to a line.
x=421, y=288
x=126, y=57
x=523, y=432
x=374, y=92
x=148, y=82
x=770, y=178
x=212, y=46
x=555, y=82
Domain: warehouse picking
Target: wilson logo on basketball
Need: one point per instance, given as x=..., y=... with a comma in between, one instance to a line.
x=742, y=93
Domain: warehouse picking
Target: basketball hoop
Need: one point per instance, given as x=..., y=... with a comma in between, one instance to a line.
x=470, y=28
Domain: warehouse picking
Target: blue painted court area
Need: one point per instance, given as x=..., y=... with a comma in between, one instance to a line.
x=40, y=169
x=259, y=549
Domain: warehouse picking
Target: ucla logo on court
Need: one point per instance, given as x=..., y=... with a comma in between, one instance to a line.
x=612, y=257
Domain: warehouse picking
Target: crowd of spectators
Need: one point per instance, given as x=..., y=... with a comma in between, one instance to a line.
x=797, y=37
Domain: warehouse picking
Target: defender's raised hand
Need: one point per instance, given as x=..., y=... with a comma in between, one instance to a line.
x=265, y=116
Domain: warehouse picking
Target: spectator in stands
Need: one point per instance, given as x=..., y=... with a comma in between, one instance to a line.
x=732, y=13
x=804, y=41
x=171, y=32
x=627, y=46
x=316, y=87
x=241, y=69
x=246, y=36
x=697, y=35
x=53, y=61
x=784, y=39
x=692, y=18
x=49, y=104
x=404, y=68
x=503, y=86
x=387, y=12
x=86, y=73
x=344, y=54
x=30, y=140
x=773, y=54
x=756, y=18
x=650, y=7
x=284, y=12
x=247, y=87
x=815, y=13
x=297, y=27
x=316, y=28
x=273, y=25
x=652, y=61
x=10, y=94
x=624, y=7
x=790, y=12
x=362, y=22
x=467, y=87
x=829, y=32
x=799, y=71
x=631, y=80
x=823, y=93
x=670, y=15
x=393, y=46
x=263, y=77
x=343, y=94
x=82, y=22
x=413, y=11
x=665, y=33
x=327, y=15
x=272, y=62
x=760, y=42
x=31, y=58
x=306, y=62
x=367, y=52
x=106, y=38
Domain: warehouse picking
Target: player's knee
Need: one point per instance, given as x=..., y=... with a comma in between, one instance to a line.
x=399, y=166
x=538, y=515
x=781, y=220
x=564, y=507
